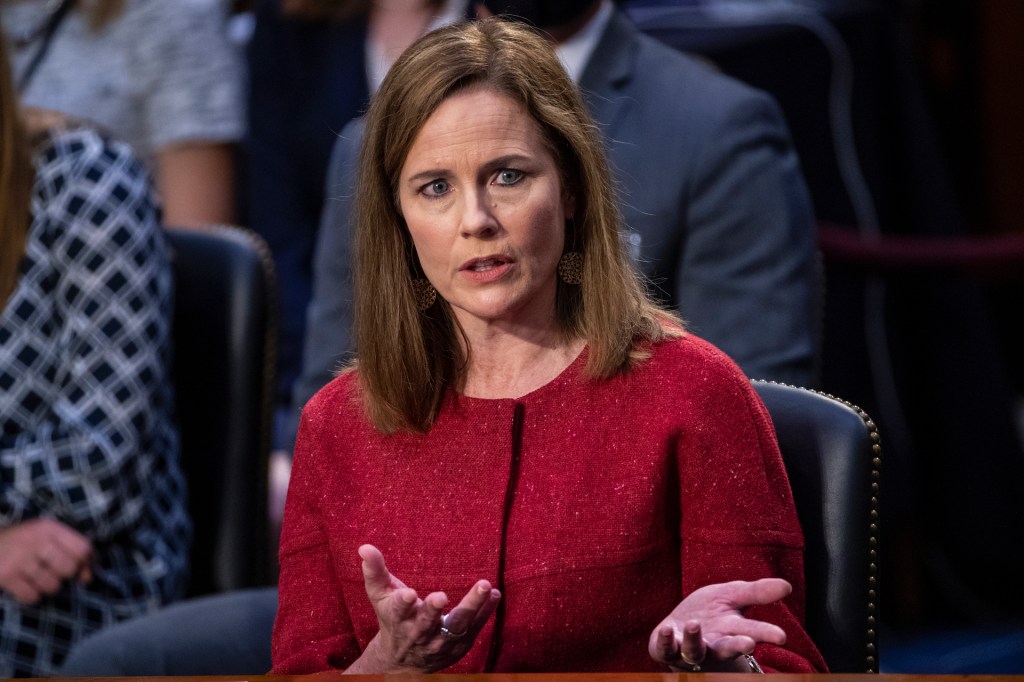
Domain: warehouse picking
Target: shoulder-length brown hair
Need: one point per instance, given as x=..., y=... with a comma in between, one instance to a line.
x=16, y=178
x=408, y=359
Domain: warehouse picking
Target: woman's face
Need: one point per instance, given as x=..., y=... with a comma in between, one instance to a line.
x=484, y=203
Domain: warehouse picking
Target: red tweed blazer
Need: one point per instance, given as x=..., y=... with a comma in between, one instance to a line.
x=593, y=505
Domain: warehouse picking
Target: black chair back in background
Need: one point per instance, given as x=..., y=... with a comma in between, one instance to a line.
x=832, y=455
x=224, y=353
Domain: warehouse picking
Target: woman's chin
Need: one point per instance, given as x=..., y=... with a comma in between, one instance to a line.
x=496, y=310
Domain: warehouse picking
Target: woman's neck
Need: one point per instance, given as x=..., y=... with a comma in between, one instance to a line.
x=506, y=365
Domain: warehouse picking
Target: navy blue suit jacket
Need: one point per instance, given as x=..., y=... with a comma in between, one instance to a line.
x=307, y=80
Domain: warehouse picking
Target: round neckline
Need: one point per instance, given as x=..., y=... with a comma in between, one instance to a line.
x=572, y=370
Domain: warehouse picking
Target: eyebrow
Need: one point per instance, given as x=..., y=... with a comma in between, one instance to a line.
x=493, y=164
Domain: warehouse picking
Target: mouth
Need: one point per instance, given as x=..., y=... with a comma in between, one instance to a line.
x=486, y=263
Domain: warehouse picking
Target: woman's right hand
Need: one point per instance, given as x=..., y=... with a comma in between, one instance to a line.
x=413, y=635
x=37, y=556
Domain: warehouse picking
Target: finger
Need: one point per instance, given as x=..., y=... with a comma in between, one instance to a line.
x=763, y=591
x=666, y=645
x=71, y=542
x=59, y=560
x=404, y=604
x=73, y=556
x=61, y=564
x=464, y=616
x=23, y=592
x=375, y=572
x=692, y=648
x=42, y=580
x=485, y=611
x=428, y=619
x=377, y=579
x=729, y=647
x=755, y=630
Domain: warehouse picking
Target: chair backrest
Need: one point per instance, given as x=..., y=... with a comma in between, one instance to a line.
x=832, y=455
x=224, y=354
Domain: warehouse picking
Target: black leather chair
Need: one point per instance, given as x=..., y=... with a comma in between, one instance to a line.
x=225, y=321
x=832, y=455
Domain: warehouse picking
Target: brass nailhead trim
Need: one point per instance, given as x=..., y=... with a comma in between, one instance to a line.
x=876, y=465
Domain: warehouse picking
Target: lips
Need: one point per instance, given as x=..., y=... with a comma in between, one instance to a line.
x=486, y=263
x=487, y=269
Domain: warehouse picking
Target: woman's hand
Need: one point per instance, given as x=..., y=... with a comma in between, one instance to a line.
x=708, y=628
x=413, y=636
x=38, y=555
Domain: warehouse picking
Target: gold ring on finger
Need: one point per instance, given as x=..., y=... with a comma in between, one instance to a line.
x=694, y=665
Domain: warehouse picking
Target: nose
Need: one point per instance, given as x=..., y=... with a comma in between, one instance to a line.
x=478, y=218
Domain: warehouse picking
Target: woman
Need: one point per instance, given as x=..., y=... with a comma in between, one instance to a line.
x=160, y=75
x=93, y=527
x=524, y=427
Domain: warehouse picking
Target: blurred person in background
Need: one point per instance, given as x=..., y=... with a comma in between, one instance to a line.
x=312, y=67
x=93, y=527
x=160, y=75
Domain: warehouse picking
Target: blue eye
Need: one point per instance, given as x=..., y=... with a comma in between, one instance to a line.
x=435, y=188
x=509, y=176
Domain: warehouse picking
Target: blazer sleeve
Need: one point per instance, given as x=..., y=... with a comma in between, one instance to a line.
x=747, y=278
x=738, y=519
x=313, y=631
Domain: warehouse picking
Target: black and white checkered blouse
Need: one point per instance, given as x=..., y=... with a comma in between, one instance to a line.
x=86, y=433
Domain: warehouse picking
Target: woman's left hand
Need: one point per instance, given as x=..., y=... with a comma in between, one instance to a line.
x=708, y=628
